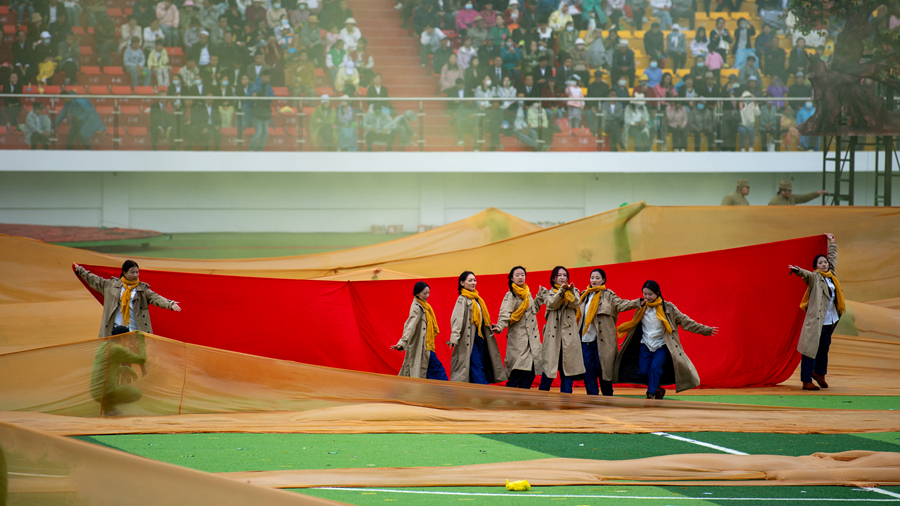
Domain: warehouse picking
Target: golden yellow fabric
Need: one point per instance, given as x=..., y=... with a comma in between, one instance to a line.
x=525, y=294
x=431, y=330
x=623, y=329
x=838, y=293
x=595, y=303
x=480, y=315
x=570, y=297
x=125, y=301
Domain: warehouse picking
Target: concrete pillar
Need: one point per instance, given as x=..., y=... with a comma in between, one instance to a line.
x=116, y=200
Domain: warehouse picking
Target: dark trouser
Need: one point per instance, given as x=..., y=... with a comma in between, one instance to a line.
x=476, y=362
x=685, y=14
x=202, y=136
x=11, y=113
x=710, y=145
x=71, y=70
x=565, y=383
x=679, y=137
x=819, y=365
x=678, y=59
x=372, y=137
x=614, y=131
x=651, y=365
x=764, y=136
x=520, y=379
x=37, y=138
x=729, y=131
x=435, y=368
x=75, y=133
x=593, y=371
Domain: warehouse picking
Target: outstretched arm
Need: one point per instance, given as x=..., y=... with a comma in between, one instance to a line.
x=685, y=322
x=832, y=252
x=94, y=281
x=160, y=301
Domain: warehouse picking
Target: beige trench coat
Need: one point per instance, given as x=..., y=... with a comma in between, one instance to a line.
x=605, y=323
x=111, y=289
x=415, y=330
x=523, y=342
x=819, y=299
x=462, y=336
x=678, y=369
x=560, y=334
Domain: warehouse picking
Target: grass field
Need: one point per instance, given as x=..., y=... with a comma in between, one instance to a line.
x=214, y=246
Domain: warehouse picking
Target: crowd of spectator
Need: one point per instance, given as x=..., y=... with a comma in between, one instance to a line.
x=521, y=51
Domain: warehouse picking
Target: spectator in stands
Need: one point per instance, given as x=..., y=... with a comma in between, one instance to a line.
x=739, y=196
x=311, y=39
x=720, y=40
x=207, y=125
x=192, y=35
x=104, y=41
x=700, y=44
x=768, y=123
x=425, y=16
x=531, y=55
x=226, y=107
x=377, y=90
x=23, y=57
x=762, y=42
x=575, y=107
x=661, y=11
x=378, y=126
x=597, y=55
x=450, y=73
x=350, y=34
x=37, y=127
x=143, y=11
x=202, y=50
x=743, y=42
x=551, y=90
x=465, y=18
x=700, y=124
x=653, y=74
x=489, y=15
x=337, y=56
x=218, y=31
x=596, y=89
x=540, y=125
x=69, y=53
x=545, y=37
x=466, y=53
x=199, y=88
x=20, y=7
x=275, y=13
x=346, y=126
x=747, y=128
x=714, y=63
x=262, y=110
x=304, y=82
x=45, y=56
x=528, y=89
x=559, y=20
x=210, y=73
x=654, y=42
x=623, y=63
x=749, y=70
x=579, y=59
x=565, y=40
x=135, y=64
x=430, y=42
x=775, y=58
x=84, y=121
x=447, y=11
x=479, y=33
x=799, y=59
x=129, y=31
x=151, y=34
x=441, y=56
x=710, y=87
x=507, y=90
x=60, y=27
x=209, y=14
x=177, y=90
x=786, y=197
x=322, y=125
x=777, y=90
x=543, y=72
x=497, y=71
x=96, y=11
x=686, y=88
x=637, y=124
x=803, y=114
x=754, y=88
x=613, y=121
x=284, y=34
x=335, y=14
x=676, y=47
x=190, y=72
x=256, y=12
x=564, y=72
x=168, y=17
x=521, y=129
x=346, y=80
x=800, y=88
x=677, y=125
x=473, y=75
x=500, y=32
x=12, y=106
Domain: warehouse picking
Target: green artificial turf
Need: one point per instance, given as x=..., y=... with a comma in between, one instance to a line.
x=800, y=401
x=210, y=246
x=247, y=452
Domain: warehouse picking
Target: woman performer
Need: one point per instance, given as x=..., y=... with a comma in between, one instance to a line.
x=523, y=343
x=824, y=304
x=561, y=348
x=658, y=356
x=418, y=339
x=126, y=300
x=597, y=313
x=476, y=356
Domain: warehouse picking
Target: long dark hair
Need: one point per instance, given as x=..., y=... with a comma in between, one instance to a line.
x=816, y=261
x=509, y=281
x=421, y=285
x=127, y=267
x=602, y=273
x=653, y=286
x=462, y=277
x=697, y=36
x=555, y=272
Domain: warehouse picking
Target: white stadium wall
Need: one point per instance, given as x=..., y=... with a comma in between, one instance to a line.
x=351, y=192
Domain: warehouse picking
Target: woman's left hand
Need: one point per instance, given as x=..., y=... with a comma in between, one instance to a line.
x=830, y=237
x=176, y=307
x=715, y=330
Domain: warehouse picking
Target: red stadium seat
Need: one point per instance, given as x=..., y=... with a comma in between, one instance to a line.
x=137, y=131
x=99, y=89
x=121, y=90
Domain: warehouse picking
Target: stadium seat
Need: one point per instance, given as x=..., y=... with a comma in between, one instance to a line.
x=116, y=75
x=121, y=90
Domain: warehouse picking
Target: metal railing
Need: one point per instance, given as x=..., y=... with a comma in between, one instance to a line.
x=724, y=124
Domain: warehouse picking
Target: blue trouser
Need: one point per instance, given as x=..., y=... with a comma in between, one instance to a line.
x=819, y=365
x=260, y=134
x=476, y=362
x=740, y=58
x=520, y=379
x=565, y=383
x=593, y=371
x=804, y=142
x=651, y=365
x=435, y=368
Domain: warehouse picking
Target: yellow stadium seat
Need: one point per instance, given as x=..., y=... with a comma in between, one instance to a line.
x=639, y=34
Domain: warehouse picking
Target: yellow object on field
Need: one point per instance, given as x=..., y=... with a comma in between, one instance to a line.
x=518, y=485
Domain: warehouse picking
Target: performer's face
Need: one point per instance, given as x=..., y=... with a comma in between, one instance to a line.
x=423, y=295
x=132, y=274
x=649, y=296
x=597, y=279
x=519, y=277
x=470, y=284
x=822, y=264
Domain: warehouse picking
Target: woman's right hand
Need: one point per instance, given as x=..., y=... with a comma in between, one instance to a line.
x=794, y=268
x=397, y=347
x=76, y=265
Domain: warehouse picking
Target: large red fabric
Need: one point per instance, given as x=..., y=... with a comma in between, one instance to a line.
x=747, y=292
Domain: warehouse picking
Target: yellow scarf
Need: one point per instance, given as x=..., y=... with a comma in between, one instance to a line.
x=525, y=294
x=838, y=294
x=480, y=315
x=623, y=329
x=570, y=297
x=595, y=303
x=431, y=326
x=125, y=302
